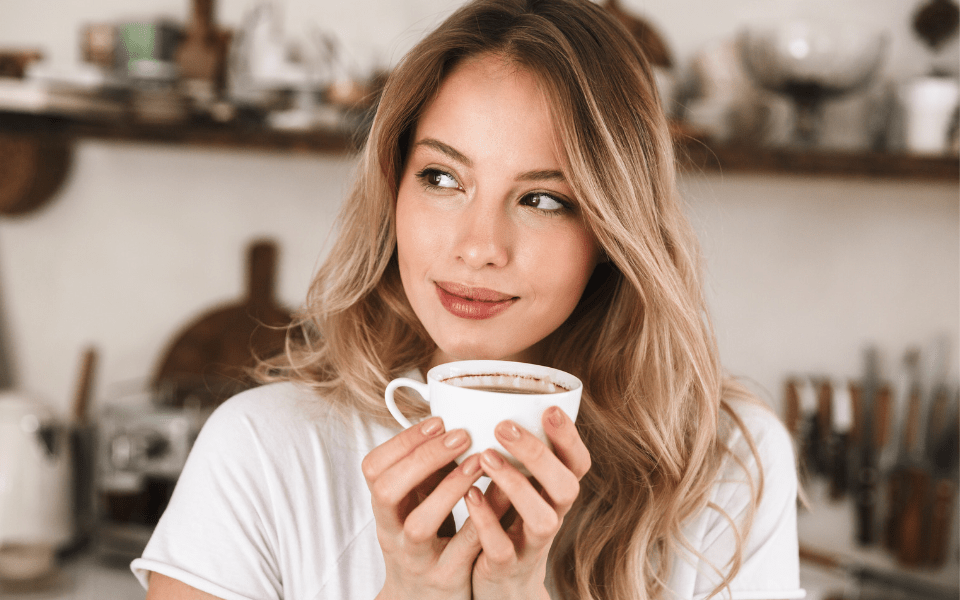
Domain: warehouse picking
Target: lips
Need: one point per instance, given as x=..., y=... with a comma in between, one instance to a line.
x=472, y=302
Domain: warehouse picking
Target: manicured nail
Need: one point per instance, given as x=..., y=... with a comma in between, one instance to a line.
x=492, y=459
x=508, y=431
x=471, y=465
x=474, y=496
x=455, y=438
x=555, y=416
x=432, y=426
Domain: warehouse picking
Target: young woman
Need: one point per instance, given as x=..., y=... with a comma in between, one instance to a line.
x=516, y=199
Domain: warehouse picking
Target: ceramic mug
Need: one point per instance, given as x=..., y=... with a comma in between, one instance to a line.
x=476, y=395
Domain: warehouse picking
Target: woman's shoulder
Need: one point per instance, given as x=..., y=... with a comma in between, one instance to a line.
x=750, y=425
x=286, y=417
x=760, y=458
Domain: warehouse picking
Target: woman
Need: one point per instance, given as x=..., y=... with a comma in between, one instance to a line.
x=516, y=199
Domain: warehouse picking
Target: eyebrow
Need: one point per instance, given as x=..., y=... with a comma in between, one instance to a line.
x=445, y=149
x=535, y=175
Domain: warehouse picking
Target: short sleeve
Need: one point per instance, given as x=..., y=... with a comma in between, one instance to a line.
x=216, y=534
x=770, y=557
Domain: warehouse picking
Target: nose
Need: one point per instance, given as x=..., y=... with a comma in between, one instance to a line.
x=483, y=235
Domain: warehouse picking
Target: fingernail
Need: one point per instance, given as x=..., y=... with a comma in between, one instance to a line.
x=455, y=438
x=508, y=431
x=555, y=416
x=471, y=465
x=432, y=426
x=492, y=459
x=474, y=496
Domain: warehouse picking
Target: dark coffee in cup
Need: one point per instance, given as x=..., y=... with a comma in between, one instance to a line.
x=506, y=383
x=451, y=391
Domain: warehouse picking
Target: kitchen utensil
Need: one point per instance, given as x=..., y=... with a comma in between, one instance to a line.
x=83, y=446
x=944, y=456
x=31, y=171
x=202, y=55
x=14, y=63
x=867, y=479
x=35, y=508
x=811, y=62
x=936, y=22
x=841, y=426
x=900, y=585
x=142, y=448
x=208, y=358
x=929, y=105
x=650, y=41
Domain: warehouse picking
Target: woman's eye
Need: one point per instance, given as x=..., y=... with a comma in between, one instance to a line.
x=436, y=178
x=543, y=202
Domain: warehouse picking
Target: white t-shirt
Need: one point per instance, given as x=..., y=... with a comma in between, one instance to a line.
x=272, y=504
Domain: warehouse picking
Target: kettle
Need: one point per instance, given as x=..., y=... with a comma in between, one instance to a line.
x=36, y=515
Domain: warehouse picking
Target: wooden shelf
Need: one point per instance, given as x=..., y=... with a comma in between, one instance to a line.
x=702, y=156
x=246, y=136
x=696, y=155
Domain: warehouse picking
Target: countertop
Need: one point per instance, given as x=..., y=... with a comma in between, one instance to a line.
x=85, y=577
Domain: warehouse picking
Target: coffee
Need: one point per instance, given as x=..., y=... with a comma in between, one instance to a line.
x=503, y=390
x=451, y=391
x=506, y=383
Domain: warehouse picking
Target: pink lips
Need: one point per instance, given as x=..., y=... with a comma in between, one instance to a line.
x=472, y=303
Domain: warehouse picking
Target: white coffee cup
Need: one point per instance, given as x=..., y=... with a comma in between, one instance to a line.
x=478, y=408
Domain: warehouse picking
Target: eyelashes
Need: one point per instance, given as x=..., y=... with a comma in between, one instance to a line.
x=545, y=202
x=433, y=178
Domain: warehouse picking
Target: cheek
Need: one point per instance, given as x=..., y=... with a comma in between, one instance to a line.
x=566, y=272
x=417, y=239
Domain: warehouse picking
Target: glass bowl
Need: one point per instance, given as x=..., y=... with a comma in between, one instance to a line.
x=811, y=62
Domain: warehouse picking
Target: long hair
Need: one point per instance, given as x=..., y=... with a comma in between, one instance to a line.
x=655, y=412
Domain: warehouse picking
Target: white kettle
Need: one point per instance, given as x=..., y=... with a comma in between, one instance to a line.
x=36, y=515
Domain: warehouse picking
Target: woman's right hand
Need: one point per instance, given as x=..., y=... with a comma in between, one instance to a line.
x=411, y=500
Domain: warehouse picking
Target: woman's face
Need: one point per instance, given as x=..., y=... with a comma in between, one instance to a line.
x=492, y=250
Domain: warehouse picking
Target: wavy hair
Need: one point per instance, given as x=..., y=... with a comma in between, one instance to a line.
x=655, y=413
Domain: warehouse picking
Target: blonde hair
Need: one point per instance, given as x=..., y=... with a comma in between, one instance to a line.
x=655, y=414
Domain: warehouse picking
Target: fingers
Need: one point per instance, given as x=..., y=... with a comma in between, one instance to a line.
x=560, y=483
x=386, y=454
x=423, y=523
x=541, y=521
x=566, y=441
x=391, y=483
x=496, y=544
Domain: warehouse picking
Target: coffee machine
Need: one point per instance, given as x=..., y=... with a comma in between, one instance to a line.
x=143, y=444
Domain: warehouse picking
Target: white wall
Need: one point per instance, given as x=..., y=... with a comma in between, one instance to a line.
x=802, y=271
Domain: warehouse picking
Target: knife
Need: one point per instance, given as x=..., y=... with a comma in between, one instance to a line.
x=842, y=424
x=913, y=529
x=867, y=479
x=945, y=456
x=908, y=405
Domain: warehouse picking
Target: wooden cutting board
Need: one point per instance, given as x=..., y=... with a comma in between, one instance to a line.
x=209, y=357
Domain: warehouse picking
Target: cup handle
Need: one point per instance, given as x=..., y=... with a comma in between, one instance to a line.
x=392, y=404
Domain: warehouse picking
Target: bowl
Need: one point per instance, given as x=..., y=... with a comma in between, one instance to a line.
x=811, y=61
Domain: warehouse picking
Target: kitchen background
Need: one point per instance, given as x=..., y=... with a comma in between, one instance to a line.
x=804, y=271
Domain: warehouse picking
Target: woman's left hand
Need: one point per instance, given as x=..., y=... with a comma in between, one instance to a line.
x=513, y=562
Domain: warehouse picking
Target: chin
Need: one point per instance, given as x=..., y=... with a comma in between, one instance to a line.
x=471, y=350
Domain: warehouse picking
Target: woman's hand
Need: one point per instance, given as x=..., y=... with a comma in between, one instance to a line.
x=513, y=563
x=413, y=494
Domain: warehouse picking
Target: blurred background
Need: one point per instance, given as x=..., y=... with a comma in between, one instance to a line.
x=170, y=173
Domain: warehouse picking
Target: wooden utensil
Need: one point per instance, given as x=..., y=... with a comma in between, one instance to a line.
x=936, y=22
x=210, y=357
x=650, y=41
x=81, y=400
x=31, y=171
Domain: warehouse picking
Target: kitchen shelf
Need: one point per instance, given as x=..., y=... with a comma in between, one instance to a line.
x=202, y=134
x=703, y=156
x=697, y=155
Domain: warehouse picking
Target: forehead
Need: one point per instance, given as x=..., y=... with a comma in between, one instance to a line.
x=492, y=96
